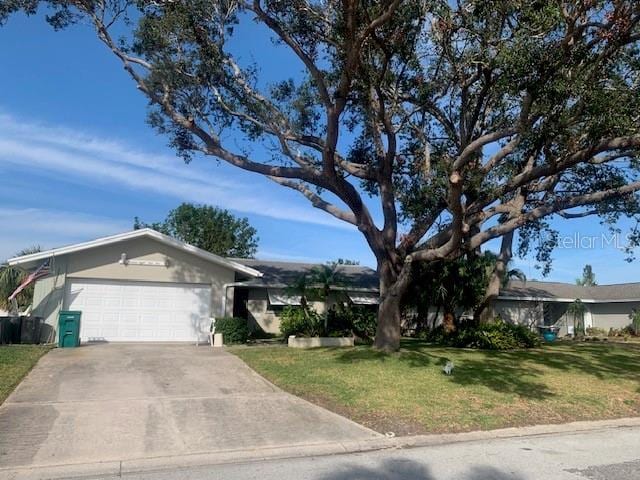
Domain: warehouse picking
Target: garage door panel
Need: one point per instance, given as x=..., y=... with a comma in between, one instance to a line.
x=140, y=311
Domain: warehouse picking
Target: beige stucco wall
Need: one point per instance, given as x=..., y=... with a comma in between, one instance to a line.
x=523, y=313
x=268, y=318
x=48, y=297
x=103, y=263
x=612, y=315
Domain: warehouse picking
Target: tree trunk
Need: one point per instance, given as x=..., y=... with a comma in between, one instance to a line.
x=392, y=289
x=484, y=312
x=389, y=328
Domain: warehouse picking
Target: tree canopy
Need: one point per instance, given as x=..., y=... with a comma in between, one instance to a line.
x=209, y=228
x=463, y=120
x=588, y=278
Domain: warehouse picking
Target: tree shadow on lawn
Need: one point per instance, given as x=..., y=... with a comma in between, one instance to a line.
x=404, y=469
x=519, y=372
x=414, y=358
x=522, y=371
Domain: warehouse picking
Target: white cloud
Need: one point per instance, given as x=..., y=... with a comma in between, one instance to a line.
x=25, y=227
x=93, y=160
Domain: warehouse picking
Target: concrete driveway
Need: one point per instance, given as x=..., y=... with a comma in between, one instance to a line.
x=117, y=402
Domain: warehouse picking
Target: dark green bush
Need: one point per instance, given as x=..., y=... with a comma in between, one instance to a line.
x=348, y=320
x=233, y=330
x=295, y=321
x=496, y=335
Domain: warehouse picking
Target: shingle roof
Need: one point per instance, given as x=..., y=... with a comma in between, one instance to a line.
x=567, y=291
x=283, y=274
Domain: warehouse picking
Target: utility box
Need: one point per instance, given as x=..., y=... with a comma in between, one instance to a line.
x=69, y=329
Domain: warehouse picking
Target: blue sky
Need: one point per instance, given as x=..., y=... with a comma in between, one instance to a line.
x=78, y=161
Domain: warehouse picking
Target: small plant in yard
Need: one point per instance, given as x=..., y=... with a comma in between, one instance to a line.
x=635, y=321
x=577, y=310
x=596, y=332
x=233, y=330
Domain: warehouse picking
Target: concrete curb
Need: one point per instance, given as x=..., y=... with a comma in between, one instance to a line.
x=131, y=466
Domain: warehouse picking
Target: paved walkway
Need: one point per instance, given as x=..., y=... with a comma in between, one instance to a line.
x=119, y=402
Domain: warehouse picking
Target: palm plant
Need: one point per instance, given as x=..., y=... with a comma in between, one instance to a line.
x=11, y=277
x=324, y=277
x=577, y=310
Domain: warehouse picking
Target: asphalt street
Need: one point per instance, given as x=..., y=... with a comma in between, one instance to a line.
x=611, y=454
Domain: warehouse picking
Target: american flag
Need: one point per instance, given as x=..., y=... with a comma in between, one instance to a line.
x=40, y=272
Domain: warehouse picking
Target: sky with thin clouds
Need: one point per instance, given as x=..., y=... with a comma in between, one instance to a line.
x=78, y=161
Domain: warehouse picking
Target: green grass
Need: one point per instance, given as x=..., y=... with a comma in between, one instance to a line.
x=407, y=393
x=15, y=362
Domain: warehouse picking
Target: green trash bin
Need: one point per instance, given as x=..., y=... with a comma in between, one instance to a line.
x=69, y=329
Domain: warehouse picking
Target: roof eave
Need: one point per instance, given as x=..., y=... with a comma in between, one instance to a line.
x=145, y=232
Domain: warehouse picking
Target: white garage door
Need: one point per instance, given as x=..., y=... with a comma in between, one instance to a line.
x=122, y=311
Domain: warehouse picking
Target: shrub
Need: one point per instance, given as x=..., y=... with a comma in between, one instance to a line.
x=496, y=335
x=635, y=321
x=596, y=332
x=348, y=320
x=233, y=330
x=296, y=321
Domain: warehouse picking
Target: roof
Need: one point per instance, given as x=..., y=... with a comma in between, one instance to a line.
x=566, y=292
x=279, y=274
x=25, y=260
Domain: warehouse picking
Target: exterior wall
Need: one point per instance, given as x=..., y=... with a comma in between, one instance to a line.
x=612, y=315
x=48, y=296
x=599, y=315
x=262, y=315
x=259, y=313
x=522, y=313
x=103, y=263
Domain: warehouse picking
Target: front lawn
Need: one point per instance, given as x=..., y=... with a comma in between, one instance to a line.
x=15, y=362
x=407, y=392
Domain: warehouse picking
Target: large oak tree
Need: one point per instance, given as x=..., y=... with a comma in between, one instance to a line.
x=465, y=120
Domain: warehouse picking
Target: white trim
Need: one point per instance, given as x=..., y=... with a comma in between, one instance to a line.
x=280, y=298
x=144, y=232
x=358, y=298
x=567, y=300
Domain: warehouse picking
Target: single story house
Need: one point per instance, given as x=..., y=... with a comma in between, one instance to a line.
x=145, y=286
x=534, y=303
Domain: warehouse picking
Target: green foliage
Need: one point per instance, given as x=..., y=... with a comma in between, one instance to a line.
x=596, y=332
x=449, y=285
x=346, y=261
x=577, y=310
x=301, y=323
x=233, y=330
x=635, y=321
x=11, y=277
x=496, y=335
x=625, y=332
x=532, y=104
x=346, y=320
x=209, y=228
x=588, y=278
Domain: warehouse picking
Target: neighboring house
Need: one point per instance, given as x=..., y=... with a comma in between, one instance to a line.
x=146, y=286
x=535, y=303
